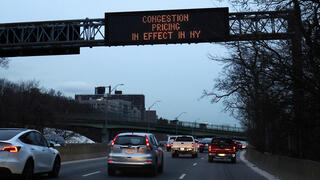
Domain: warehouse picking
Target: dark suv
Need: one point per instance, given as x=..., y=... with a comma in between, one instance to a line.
x=204, y=144
x=222, y=148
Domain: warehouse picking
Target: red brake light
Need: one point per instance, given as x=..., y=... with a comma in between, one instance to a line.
x=192, y=144
x=110, y=160
x=150, y=161
x=12, y=149
x=210, y=148
x=201, y=144
x=147, y=143
x=234, y=149
x=171, y=144
x=114, y=141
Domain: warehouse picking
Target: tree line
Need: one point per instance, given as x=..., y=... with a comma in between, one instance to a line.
x=275, y=95
x=26, y=104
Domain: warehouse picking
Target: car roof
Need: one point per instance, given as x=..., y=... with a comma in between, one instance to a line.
x=135, y=134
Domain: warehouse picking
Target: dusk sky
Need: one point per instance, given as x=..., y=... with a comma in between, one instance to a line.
x=174, y=74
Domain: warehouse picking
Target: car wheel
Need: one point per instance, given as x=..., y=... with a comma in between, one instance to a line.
x=111, y=171
x=154, y=170
x=233, y=160
x=201, y=150
x=56, y=168
x=194, y=155
x=173, y=155
x=161, y=166
x=27, y=173
x=210, y=159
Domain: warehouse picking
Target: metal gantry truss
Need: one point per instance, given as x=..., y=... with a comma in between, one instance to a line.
x=268, y=25
x=91, y=32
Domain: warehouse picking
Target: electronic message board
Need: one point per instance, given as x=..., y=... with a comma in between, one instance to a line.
x=166, y=27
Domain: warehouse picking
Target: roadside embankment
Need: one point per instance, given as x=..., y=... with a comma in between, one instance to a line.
x=285, y=168
x=71, y=152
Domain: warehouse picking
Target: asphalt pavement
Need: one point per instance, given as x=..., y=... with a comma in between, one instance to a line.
x=184, y=167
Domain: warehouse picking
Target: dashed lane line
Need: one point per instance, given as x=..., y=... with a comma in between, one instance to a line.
x=85, y=175
x=194, y=164
x=182, y=176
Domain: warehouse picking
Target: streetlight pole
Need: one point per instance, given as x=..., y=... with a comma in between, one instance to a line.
x=176, y=118
x=110, y=90
x=148, y=118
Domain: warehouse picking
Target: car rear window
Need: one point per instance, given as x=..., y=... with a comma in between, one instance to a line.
x=172, y=138
x=206, y=140
x=222, y=141
x=130, y=140
x=188, y=139
x=8, y=134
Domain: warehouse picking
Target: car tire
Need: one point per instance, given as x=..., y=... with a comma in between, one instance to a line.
x=201, y=150
x=210, y=159
x=111, y=171
x=56, y=168
x=233, y=160
x=27, y=173
x=194, y=155
x=154, y=170
x=161, y=167
x=173, y=155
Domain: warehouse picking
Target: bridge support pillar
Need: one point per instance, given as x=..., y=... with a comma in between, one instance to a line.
x=105, y=136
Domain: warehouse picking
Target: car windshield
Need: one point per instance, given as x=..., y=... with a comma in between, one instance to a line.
x=8, y=134
x=130, y=140
x=187, y=139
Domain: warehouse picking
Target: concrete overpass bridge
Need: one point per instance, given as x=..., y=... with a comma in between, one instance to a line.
x=102, y=130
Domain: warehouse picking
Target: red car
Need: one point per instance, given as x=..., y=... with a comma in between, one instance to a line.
x=222, y=148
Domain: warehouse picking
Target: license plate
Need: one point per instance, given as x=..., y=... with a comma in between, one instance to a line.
x=182, y=149
x=130, y=151
x=221, y=154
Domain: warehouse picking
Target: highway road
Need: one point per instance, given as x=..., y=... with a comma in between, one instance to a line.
x=184, y=167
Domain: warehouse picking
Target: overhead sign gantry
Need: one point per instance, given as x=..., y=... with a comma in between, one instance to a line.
x=141, y=28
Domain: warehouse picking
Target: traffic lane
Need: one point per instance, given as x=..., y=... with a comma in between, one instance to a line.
x=173, y=167
x=222, y=170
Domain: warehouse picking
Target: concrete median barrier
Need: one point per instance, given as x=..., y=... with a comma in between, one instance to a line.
x=71, y=152
x=283, y=167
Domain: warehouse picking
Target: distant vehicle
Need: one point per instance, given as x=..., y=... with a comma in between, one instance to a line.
x=184, y=145
x=55, y=139
x=204, y=144
x=238, y=145
x=197, y=143
x=26, y=152
x=222, y=148
x=170, y=141
x=135, y=150
x=163, y=144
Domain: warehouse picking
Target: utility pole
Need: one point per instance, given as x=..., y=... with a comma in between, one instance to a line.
x=298, y=97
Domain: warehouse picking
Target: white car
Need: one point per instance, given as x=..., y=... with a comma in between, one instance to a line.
x=26, y=152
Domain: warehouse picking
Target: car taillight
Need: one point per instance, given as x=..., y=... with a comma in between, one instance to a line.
x=201, y=144
x=171, y=144
x=210, y=148
x=192, y=144
x=12, y=149
x=112, y=144
x=234, y=149
x=110, y=160
x=168, y=145
x=147, y=143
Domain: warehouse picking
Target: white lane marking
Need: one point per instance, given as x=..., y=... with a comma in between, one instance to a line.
x=202, y=158
x=256, y=169
x=182, y=176
x=194, y=164
x=97, y=172
x=83, y=160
